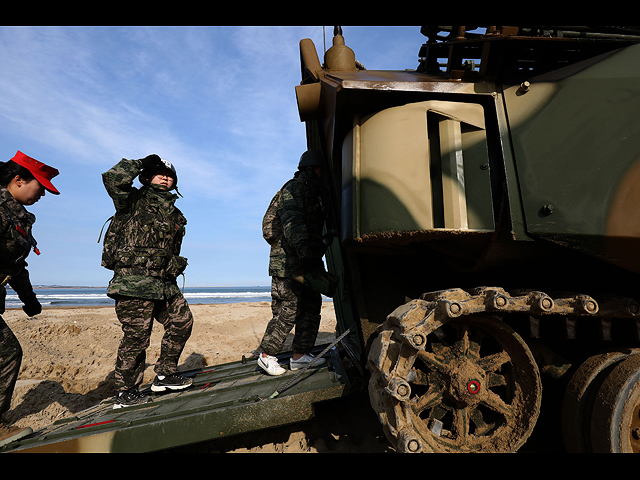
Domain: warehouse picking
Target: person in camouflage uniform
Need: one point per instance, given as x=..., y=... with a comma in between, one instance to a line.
x=144, y=254
x=297, y=247
x=23, y=181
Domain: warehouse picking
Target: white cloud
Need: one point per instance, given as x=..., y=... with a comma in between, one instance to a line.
x=219, y=102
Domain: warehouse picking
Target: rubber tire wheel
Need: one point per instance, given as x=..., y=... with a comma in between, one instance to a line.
x=615, y=420
x=580, y=395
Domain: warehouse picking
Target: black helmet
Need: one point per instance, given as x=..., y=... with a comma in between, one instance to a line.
x=147, y=173
x=310, y=158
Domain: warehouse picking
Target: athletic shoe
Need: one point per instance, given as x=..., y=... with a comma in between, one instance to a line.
x=11, y=434
x=305, y=360
x=130, y=398
x=270, y=365
x=170, y=382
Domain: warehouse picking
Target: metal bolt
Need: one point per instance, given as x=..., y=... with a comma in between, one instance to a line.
x=546, y=303
x=547, y=209
x=473, y=386
x=413, y=445
x=403, y=390
x=452, y=309
x=524, y=88
x=590, y=306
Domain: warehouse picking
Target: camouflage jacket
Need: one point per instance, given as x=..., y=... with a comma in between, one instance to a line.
x=147, y=254
x=302, y=217
x=16, y=241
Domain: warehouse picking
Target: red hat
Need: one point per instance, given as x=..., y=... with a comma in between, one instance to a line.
x=43, y=173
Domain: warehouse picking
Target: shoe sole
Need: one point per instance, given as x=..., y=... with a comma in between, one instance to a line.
x=273, y=374
x=317, y=364
x=155, y=388
x=122, y=405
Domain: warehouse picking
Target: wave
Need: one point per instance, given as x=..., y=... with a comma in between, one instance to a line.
x=98, y=297
x=63, y=296
x=227, y=294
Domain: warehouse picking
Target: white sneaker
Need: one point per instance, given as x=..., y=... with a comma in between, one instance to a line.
x=270, y=365
x=305, y=360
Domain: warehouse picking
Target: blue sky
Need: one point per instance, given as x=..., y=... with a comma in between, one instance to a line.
x=218, y=102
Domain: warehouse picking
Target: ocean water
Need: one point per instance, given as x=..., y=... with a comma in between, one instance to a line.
x=87, y=297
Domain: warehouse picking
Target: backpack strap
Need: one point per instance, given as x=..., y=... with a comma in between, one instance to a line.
x=103, y=225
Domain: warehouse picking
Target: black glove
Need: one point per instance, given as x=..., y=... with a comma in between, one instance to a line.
x=22, y=286
x=152, y=162
x=32, y=307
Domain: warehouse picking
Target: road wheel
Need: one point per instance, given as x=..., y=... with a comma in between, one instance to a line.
x=615, y=419
x=580, y=395
x=474, y=387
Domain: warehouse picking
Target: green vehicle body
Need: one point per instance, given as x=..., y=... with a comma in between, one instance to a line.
x=509, y=159
x=513, y=177
x=492, y=191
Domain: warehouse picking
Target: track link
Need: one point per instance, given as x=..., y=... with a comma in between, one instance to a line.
x=408, y=337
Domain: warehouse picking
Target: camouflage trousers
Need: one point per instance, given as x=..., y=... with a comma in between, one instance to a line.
x=10, y=360
x=292, y=305
x=136, y=316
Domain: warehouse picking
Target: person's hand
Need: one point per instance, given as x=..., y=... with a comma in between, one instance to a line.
x=32, y=307
x=151, y=162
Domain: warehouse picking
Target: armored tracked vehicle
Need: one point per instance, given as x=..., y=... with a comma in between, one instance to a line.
x=488, y=218
x=485, y=208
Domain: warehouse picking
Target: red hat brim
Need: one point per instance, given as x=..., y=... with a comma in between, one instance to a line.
x=42, y=172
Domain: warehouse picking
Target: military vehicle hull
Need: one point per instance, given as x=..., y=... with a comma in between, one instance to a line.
x=487, y=232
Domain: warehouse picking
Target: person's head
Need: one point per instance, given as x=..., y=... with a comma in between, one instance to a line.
x=27, y=179
x=311, y=160
x=164, y=176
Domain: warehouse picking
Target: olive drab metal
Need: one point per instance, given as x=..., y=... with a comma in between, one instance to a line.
x=486, y=210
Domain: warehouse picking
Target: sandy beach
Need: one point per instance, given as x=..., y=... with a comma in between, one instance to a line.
x=69, y=356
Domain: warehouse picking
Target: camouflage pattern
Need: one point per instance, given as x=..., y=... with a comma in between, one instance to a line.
x=292, y=304
x=302, y=218
x=16, y=241
x=10, y=360
x=146, y=262
x=136, y=316
x=301, y=214
x=147, y=258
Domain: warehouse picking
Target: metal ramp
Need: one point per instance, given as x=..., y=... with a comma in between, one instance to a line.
x=224, y=400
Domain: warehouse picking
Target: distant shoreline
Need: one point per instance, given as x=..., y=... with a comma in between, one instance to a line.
x=61, y=286
x=195, y=286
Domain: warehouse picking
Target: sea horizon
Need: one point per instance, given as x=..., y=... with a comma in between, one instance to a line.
x=83, y=296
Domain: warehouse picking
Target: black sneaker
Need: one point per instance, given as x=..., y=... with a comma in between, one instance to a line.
x=170, y=382
x=131, y=397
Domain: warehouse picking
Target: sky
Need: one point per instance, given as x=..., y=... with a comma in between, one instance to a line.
x=217, y=102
